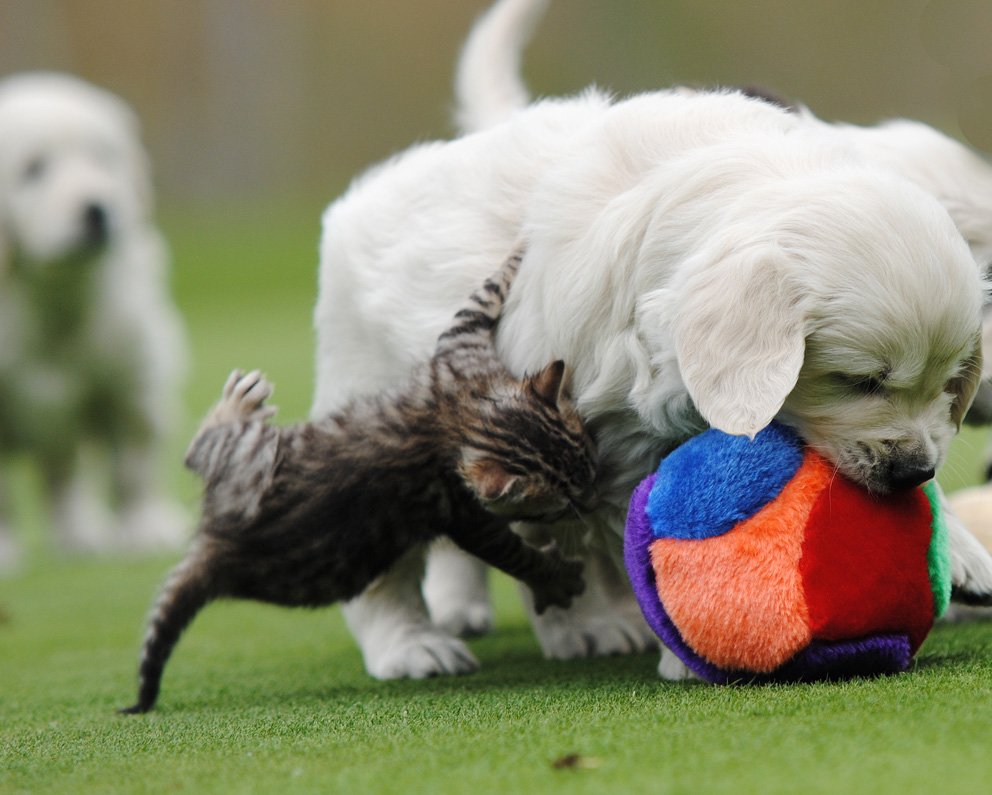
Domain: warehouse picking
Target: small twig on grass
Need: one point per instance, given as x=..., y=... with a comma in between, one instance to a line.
x=573, y=761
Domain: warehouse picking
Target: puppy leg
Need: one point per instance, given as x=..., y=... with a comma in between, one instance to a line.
x=393, y=629
x=601, y=621
x=456, y=588
x=672, y=669
x=973, y=507
x=588, y=628
x=971, y=563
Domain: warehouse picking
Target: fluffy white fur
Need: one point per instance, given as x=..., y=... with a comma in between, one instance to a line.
x=959, y=178
x=698, y=259
x=91, y=348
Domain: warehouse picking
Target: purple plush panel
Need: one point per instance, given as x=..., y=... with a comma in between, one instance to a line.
x=869, y=656
x=637, y=558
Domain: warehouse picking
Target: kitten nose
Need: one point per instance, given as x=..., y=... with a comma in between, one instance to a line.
x=908, y=476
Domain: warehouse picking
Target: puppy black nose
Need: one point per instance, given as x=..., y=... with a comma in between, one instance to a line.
x=909, y=476
x=95, y=224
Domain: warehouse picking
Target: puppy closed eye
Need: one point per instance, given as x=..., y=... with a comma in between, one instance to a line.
x=866, y=385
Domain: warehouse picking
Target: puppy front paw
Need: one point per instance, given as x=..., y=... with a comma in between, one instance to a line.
x=969, y=596
x=971, y=564
x=562, y=586
x=672, y=669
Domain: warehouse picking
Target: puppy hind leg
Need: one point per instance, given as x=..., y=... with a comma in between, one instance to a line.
x=456, y=589
x=392, y=627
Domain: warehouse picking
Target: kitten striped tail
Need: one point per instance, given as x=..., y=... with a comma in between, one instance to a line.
x=479, y=315
x=183, y=596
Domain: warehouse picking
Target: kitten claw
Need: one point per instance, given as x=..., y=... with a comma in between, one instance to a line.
x=232, y=381
x=243, y=398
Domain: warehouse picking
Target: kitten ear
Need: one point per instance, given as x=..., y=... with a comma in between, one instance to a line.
x=549, y=384
x=490, y=479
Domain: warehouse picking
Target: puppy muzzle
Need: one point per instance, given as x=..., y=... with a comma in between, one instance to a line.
x=904, y=475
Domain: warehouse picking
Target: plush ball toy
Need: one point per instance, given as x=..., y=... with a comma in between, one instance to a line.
x=755, y=561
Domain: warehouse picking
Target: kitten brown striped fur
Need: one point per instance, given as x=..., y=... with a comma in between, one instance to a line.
x=311, y=514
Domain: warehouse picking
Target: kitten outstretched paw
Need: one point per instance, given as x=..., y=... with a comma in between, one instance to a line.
x=243, y=399
x=562, y=586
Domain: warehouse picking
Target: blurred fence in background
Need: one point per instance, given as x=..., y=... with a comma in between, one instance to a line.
x=255, y=99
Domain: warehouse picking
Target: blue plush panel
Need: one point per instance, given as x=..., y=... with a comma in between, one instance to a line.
x=714, y=481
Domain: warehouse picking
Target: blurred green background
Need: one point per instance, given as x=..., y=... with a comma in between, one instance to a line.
x=285, y=99
x=257, y=113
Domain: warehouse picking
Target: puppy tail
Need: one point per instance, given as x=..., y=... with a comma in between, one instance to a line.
x=488, y=83
x=185, y=593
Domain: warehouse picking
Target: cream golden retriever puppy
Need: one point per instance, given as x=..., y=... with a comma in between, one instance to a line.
x=699, y=259
x=91, y=347
x=490, y=89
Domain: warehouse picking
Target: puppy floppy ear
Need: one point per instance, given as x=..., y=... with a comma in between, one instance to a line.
x=964, y=386
x=739, y=335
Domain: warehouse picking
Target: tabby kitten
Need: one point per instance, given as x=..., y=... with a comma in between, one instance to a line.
x=311, y=514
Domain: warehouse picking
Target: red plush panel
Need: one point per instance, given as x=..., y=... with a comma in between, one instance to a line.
x=864, y=564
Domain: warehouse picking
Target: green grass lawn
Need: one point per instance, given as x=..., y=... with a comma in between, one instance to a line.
x=261, y=699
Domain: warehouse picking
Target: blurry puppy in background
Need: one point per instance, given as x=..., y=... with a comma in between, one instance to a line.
x=91, y=347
